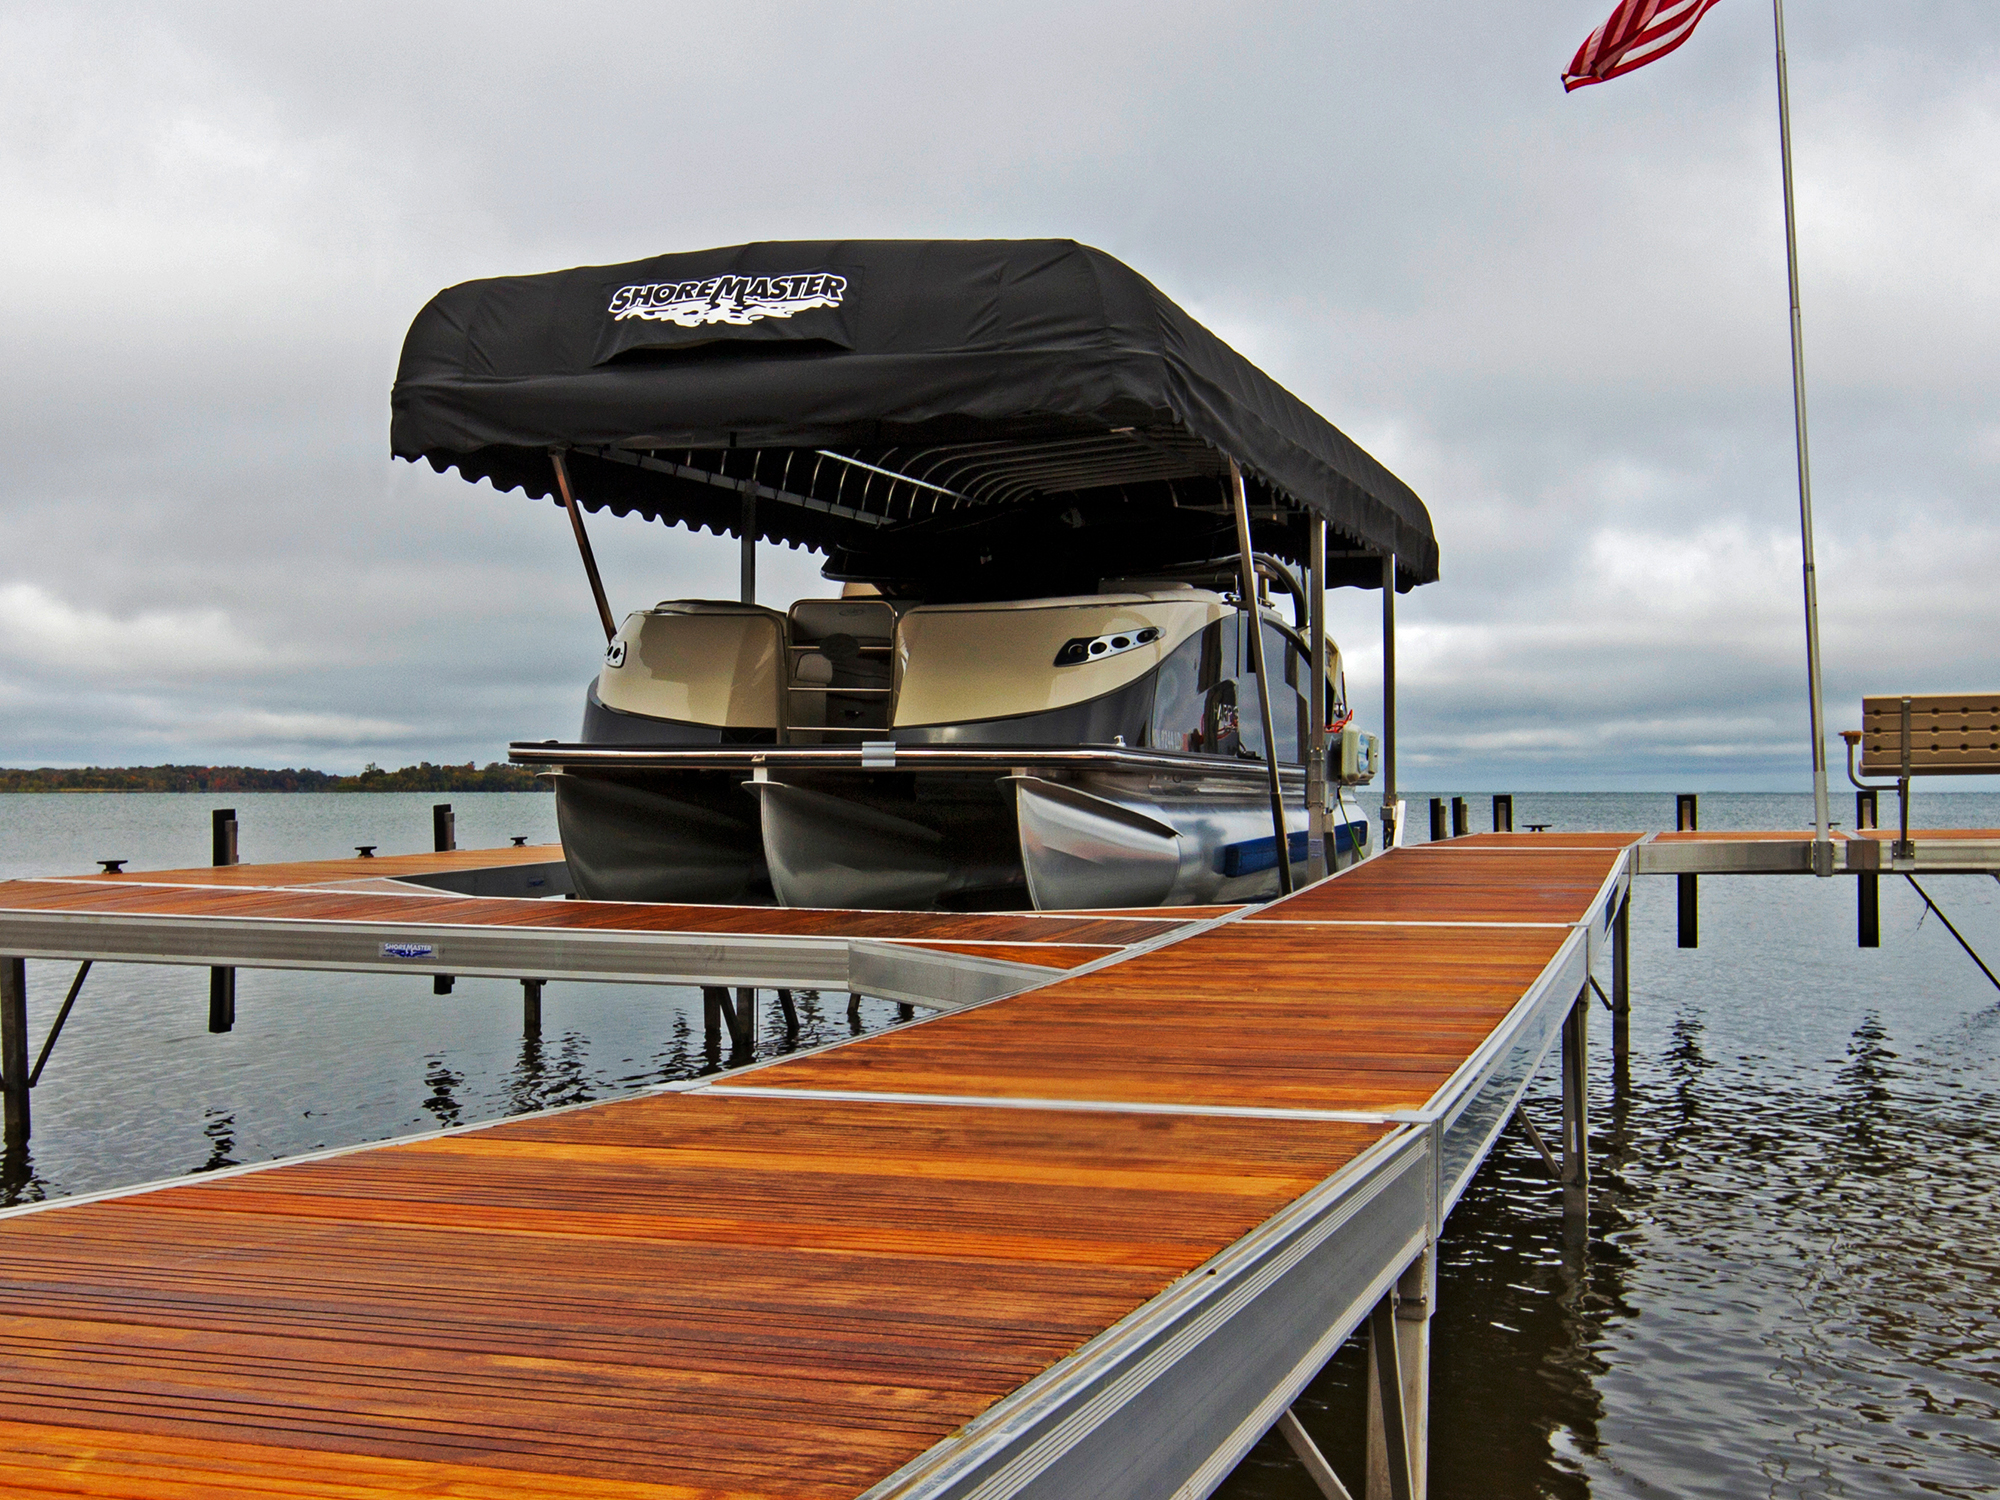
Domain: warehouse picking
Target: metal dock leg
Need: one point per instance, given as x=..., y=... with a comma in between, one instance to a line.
x=791, y=1010
x=14, y=1050
x=1621, y=982
x=742, y=1020
x=222, y=982
x=1687, y=819
x=1399, y=1373
x=1307, y=1451
x=1576, y=1119
x=1867, y=888
x=531, y=1009
x=713, y=999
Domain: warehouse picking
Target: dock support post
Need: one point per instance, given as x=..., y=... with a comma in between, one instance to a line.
x=747, y=584
x=1867, y=888
x=1503, y=812
x=1576, y=1118
x=1621, y=982
x=222, y=982
x=791, y=1010
x=444, y=828
x=854, y=1012
x=1461, y=818
x=14, y=1051
x=743, y=1020
x=531, y=1009
x=1437, y=820
x=1686, y=820
x=713, y=999
x=1399, y=1366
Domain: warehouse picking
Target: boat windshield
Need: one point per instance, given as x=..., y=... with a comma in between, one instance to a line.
x=1206, y=698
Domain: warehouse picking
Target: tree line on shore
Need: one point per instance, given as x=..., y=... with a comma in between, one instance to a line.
x=423, y=777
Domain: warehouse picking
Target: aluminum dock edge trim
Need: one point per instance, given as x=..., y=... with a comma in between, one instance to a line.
x=940, y=980
x=1169, y=1399
x=1475, y=1103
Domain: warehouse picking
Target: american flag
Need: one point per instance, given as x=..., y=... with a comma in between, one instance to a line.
x=1638, y=32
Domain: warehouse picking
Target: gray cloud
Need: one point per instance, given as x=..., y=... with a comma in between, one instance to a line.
x=1561, y=318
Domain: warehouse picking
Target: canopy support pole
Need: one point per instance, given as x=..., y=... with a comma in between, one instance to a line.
x=1822, y=856
x=1248, y=566
x=1389, y=829
x=582, y=543
x=1318, y=856
x=749, y=572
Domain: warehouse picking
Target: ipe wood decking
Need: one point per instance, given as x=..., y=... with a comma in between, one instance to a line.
x=1089, y=1239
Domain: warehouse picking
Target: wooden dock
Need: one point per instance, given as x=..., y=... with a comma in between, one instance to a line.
x=1090, y=1238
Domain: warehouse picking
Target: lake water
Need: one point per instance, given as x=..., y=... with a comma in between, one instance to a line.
x=1792, y=1282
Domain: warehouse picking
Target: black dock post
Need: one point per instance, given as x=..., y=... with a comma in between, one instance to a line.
x=1437, y=820
x=713, y=999
x=14, y=1050
x=743, y=1020
x=791, y=1011
x=444, y=837
x=1461, y=818
x=1576, y=1119
x=1503, y=812
x=222, y=982
x=1687, y=820
x=1867, y=888
x=531, y=1009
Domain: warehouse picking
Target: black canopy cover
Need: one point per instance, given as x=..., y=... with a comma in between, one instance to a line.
x=944, y=418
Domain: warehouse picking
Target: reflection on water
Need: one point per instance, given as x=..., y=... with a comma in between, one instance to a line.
x=1792, y=1281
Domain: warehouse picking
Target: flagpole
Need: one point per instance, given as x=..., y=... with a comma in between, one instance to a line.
x=1822, y=846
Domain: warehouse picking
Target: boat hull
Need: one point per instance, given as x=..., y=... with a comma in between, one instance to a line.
x=937, y=827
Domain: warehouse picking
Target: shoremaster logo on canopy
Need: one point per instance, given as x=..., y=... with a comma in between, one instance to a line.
x=741, y=300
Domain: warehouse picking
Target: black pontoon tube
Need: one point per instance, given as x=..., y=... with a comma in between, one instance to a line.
x=1280, y=839
x=583, y=543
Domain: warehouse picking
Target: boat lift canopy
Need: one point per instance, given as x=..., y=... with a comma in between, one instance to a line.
x=944, y=418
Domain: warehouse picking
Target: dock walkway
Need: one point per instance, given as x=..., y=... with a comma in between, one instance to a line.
x=1089, y=1239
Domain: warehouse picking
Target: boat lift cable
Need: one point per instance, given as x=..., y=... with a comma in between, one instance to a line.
x=1951, y=929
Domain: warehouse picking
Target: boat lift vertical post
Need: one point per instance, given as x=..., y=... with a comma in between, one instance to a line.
x=748, y=588
x=1318, y=857
x=1281, y=840
x=1389, y=829
x=583, y=543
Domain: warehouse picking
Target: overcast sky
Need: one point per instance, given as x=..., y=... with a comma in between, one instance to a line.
x=1562, y=319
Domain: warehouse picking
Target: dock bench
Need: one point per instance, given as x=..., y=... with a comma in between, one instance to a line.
x=1931, y=734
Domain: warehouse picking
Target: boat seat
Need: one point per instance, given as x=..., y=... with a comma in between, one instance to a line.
x=841, y=644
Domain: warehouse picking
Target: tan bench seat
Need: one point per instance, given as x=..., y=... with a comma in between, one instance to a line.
x=1950, y=734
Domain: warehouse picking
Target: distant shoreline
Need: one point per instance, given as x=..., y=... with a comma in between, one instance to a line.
x=214, y=780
